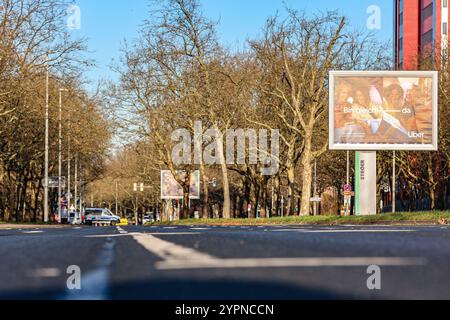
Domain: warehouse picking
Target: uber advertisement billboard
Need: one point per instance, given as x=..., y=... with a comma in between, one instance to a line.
x=387, y=110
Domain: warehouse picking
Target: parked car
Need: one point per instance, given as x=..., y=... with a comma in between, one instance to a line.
x=100, y=215
x=148, y=218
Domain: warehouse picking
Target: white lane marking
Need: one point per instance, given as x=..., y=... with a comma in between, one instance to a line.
x=175, y=257
x=150, y=233
x=173, y=264
x=169, y=227
x=94, y=284
x=343, y=231
x=32, y=232
x=46, y=273
x=76, y=228
x=200, y=229
x=121, y=231
x=168, y=250
x=106, y=235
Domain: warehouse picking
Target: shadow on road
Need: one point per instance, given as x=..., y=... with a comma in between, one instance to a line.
x=190, y=290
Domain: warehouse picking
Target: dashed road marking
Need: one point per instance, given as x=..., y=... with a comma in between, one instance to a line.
x=46, y=273
x=94, y=284
x=121, y=231
x=343, y=231
x=149, y=233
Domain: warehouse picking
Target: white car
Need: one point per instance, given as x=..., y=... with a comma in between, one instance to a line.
x=100, y=215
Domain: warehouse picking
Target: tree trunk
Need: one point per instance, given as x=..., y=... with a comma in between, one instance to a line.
x=255, y=209
x=277, y=194
x=226, y=211
x=431, y=183
x=205, y=200
x=36, y=200
x=263, y=201
x=247, y=190
x=185, y=214
x=291, y=190
x=306, y=177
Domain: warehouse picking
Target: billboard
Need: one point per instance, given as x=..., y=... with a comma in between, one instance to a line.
x=171, y=189
x=383, y=110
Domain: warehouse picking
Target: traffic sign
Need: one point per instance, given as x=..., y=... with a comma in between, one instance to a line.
x=347, y=188
x=53, y=182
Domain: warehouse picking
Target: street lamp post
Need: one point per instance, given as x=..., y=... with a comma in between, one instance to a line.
x=69, y=195
x=59, y=154
x=117, y=198
x=46, y=146
x=76, y=184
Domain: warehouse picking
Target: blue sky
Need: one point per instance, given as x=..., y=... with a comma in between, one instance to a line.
x=106, y=23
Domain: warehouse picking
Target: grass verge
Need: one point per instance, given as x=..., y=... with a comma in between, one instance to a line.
x=428, y=217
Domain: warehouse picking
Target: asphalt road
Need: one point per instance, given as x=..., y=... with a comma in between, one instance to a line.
x=282, y=262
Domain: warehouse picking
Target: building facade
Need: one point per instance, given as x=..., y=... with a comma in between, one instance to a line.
x=421, y=27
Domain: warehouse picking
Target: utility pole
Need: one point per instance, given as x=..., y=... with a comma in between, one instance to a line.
x=60, y=157
x=76, y=184
x=348, y=167
x=46, y=146
x=81, y=190
x=315, y=187
x=136, y=212
x=69, y=198
x=117, y=196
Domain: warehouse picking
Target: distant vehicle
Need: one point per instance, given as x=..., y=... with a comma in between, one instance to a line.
x=148, y=218
x=92, y=215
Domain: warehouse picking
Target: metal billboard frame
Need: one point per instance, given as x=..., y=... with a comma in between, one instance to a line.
x=381, y=146
x=196, y=173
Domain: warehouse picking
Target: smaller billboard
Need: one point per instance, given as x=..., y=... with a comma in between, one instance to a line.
x=171, y=189
x=53, y=182
x=383, y=110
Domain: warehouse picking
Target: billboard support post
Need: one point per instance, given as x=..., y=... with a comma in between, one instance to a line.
x=393, y=182
x=348, y=167
x=381, y=110
x=366, y=183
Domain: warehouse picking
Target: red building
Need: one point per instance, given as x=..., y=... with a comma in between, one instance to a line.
x=421, y=26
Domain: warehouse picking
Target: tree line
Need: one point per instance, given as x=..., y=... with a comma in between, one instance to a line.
x=178, y=73
x=34, y=37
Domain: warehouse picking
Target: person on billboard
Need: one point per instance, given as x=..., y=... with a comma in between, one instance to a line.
x=398, y=119
x=348, y=128
x=408, y=117
x=365, y=112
